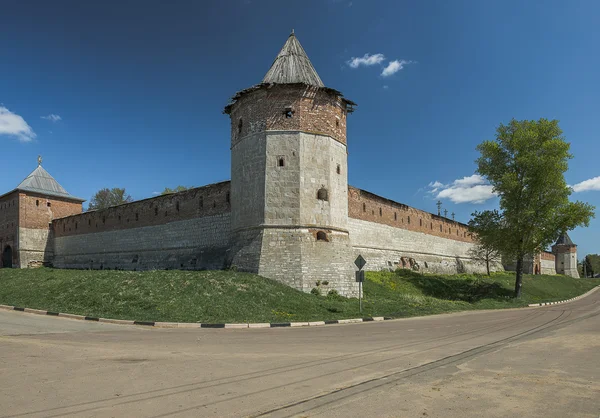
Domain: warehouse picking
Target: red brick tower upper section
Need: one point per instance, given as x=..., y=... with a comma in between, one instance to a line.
x=291, y=97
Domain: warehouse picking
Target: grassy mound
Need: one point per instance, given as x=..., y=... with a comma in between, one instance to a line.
x=227, y=296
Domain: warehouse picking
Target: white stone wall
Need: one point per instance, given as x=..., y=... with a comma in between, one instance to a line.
x=547, y=267
x=35, y=247
x=566, y=263
x=200, y=243
x=383, y=246
x=248, y=181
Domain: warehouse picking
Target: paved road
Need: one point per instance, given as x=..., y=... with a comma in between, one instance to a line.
x=538, y=362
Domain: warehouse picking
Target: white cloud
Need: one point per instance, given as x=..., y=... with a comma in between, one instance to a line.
x=366, y=60
x=14, y=125
x=588, y=185
x=474, y=194
x=52, y=117
x=386, y=87
x=471, y=189
x=394, y=66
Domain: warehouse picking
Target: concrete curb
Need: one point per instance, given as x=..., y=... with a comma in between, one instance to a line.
x=537, y=305
x=233, y=326
x=192, y=324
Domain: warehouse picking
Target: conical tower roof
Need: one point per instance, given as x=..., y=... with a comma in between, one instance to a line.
x=564, y=239
x=40, y=181
x=292, y=66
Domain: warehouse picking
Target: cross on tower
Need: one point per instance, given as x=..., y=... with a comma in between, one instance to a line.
x=39, y=160
x=453, y=215
x=439, y=206
x=445, y=213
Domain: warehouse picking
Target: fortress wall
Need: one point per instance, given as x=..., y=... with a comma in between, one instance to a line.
x=9, y=221
x=547, y=263
x=36, y=212
x=388, y=247
x=367, y=206
x=186, y=230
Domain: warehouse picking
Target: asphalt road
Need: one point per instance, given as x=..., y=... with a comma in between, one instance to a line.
x=536, y=362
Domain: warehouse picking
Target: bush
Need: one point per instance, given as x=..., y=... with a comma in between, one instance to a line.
x=315, y=291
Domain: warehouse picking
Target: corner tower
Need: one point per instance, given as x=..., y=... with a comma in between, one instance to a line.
x=289, y=177
x=565, y=253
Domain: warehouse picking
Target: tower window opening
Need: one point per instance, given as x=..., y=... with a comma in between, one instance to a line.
x=339, y=169
x=177, y=206
x=280, y=161
x=201, y=202
x=441, y=228
x=395, y=216
x=37, y=202
x=364, y=207
x=420, y=222
x=432, y=225
x=89, y=222
x=137, y=216
x=322, y=236
x=337, y=123
x=288, y=112
x=240, y=125
x=322, y=194
x=380, y=212
x=155, y=211
x=48, y=204
x=228, y=198
x=409, y=220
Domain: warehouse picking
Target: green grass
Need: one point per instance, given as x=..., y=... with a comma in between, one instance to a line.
x=227, y=296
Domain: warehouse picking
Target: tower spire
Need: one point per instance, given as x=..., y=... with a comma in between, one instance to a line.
x=292, y=66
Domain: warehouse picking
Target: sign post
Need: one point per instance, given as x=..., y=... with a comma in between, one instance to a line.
x=360, y=278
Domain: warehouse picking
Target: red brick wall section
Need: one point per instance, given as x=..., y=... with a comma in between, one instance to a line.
x=37, y=211
x=314, y=110
x=194, y=203
x=369, y=207
x=545, y=255
x=9, y=219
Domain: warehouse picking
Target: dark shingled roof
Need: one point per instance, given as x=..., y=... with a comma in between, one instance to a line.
x=41, y=182
x=564, y=239
x=292, y=66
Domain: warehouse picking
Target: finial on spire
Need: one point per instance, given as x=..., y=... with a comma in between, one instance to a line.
x=39, y=160
x=292, y=32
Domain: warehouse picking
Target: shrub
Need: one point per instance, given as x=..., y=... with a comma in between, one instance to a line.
x=315, y=291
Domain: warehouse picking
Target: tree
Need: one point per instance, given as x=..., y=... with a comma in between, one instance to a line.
x=525, y=165
x=485, y=254
x=592, y=264
x=105, y=198
x=175, y=190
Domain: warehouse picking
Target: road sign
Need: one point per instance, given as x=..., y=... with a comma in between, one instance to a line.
x=360, y=262
x=360, y=276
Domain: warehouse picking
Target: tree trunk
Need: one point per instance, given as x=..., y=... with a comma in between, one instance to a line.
x=519, y=279
x=487, y=265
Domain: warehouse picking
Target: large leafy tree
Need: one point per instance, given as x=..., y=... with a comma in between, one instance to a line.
x=525, y=164
x=105, y=198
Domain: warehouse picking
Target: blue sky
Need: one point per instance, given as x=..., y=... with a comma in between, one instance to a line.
x=130, y=94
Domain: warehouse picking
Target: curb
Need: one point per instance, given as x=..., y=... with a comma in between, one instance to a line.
x=537, y=305
x=192, y=324
x=236, y=326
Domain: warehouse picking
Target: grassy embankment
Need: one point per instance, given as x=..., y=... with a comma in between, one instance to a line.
x=227, y=296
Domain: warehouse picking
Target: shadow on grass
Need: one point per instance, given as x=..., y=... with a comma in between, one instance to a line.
x=466, y=289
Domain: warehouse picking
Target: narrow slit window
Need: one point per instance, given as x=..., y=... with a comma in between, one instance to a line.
x=339, y=169
x=37, y=202
x=201, y=202
x=395, y=216
x=240, y=125
x=380, y=212
x=228, y=198
x=364, y=207
x=280, y=162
